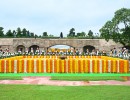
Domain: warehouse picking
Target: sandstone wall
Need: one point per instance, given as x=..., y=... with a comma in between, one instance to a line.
x=100, y=44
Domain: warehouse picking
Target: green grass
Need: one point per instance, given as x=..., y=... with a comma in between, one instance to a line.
x=10, y=78
x=64, y=74
x=87, y=78
x=41, y=92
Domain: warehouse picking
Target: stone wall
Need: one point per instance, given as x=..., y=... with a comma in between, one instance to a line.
x=6, y=43
x=100, y=44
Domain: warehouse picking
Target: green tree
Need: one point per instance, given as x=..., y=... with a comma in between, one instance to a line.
x=71, y=32
x=61, y=35
x=14, y=33
x=51, y=35
x=28, y=34
x=36, y=36
x=32, y=35
x=9, y=34
x=44, y=34
x=82, y=34
x=24, y=32
x=90, y=34
x=106, y=30
x=40, y=36
x=19, y=32
x=118, y=28
x=1, y=32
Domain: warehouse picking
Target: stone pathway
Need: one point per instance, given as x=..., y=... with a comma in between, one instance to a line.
x=46, y=81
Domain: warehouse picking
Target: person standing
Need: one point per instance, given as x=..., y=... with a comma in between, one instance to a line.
x=32, y=51
x=87, y=52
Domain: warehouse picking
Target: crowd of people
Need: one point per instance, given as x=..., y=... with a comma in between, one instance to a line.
x=121, y=53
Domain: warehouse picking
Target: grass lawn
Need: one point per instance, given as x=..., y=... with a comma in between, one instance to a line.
x=41, y=92
x=86, y=78
x=64, y=74
x=10, y=78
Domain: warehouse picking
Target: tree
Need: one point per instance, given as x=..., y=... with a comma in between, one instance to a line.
x=118, y=28
x=9, y=34
x=51, y=35
x=61, y=35
x=28, y=34
x=40, y=36
x=72, y=32
x=82, y=34
x=14, y=33
x=32, y=35
x=19, y=32
x=24, y=32
x=90, y=34
x=1, y=32
x=36, y=36
x=106, y=30
x=44, y=34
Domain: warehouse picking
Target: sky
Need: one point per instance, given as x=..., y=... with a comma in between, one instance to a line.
x=56, y=16
x=61, y=46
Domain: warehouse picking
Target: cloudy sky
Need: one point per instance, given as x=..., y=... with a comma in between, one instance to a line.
x=55, y=16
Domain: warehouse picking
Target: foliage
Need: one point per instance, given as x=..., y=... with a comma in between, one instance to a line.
x=1, y=32
x=61, y=35
x=28, y=33
x=82, y=34
x=48, y=37
x=40, y=36
x=71, y=33
x=14, y=33
x=90, y=34
x=51, y=35
x=24, y=32
x=45, y=34
x=32, y=35
x=118, y=28
x=18, y=32
x=9, y=33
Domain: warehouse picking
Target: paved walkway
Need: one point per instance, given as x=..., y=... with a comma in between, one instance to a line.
x=46, y=81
